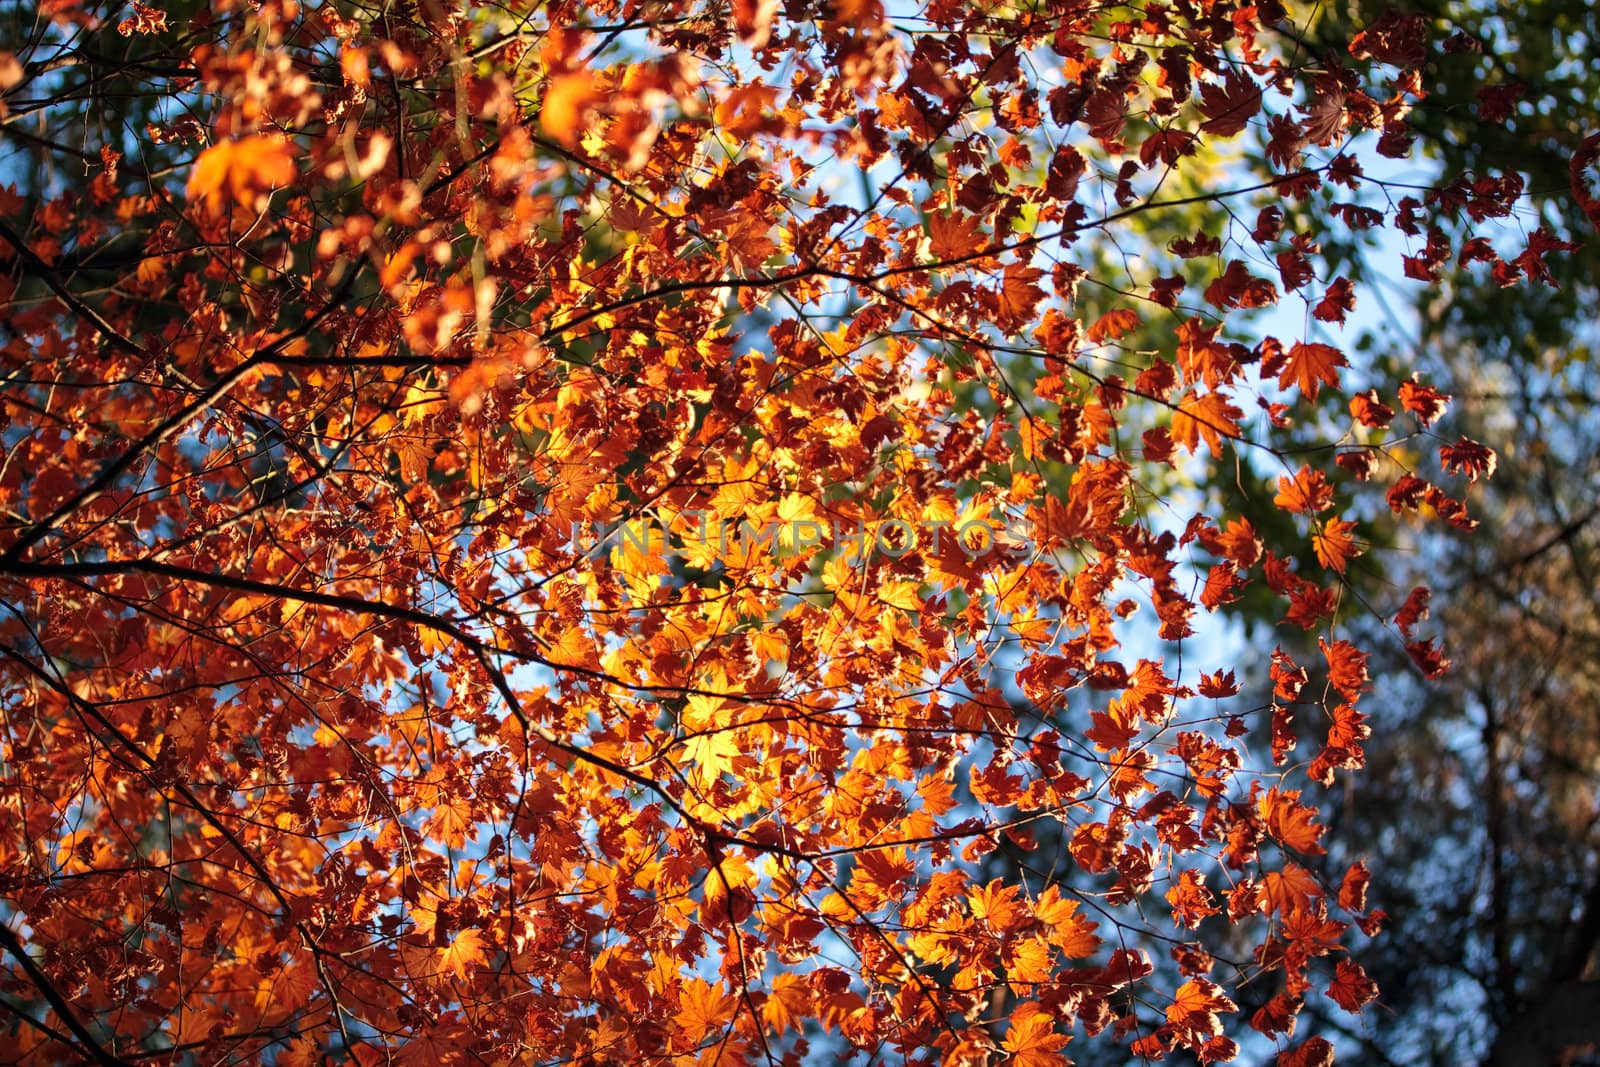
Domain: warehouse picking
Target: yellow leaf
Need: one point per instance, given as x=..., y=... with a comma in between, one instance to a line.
x=712, y=754
x=900, y=595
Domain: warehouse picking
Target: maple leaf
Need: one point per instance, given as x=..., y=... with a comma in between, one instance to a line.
x=1423, y=401
x=568, y=103
x=1347, y=668
x=1351, y=988
x=452, y=820
x=712, y=754
x=1201, y=358
x=242, y=171
x=740, y=112
x=1414, y=610
x=145, y=19
x=753, y=20
x=1237, y=287
x=1369, y=410
x=1190, y=899
x=1316, y=1052
x=1196, y=1006
x=954, y=235
x=1305, y=492
x=1020, y=295
x=1289, y=889
x=465, y=951
x=1219, y=685
x=1353, y=888
x=1278, y=1015
x=1468, y=457
x=1311, y=366
x=1335, y=544
x=1205, y=415
x=1395, y=39
x=787, y=1004
x=997, y=905
x=703, y=1008
x=1291, y=822
x=1113, y=325
x=1031, y=1039
x=1325, y=116
x=1230, y=105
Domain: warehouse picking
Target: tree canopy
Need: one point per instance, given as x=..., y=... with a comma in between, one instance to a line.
x=577, y=533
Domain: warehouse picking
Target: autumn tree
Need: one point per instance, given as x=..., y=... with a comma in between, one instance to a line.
x=1490, y=876
x=568, y=533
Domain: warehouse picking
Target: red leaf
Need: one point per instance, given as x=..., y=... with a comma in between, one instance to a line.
x=1395, y=39
x=1353, y=889
x=1468, y=457
x=1423, y=401
x=1369, y=410
x=1229, y=106
x=954, y=236
x=1351, y=988
x=1237, y=287
x=1314, y=1053
x=1414, y=610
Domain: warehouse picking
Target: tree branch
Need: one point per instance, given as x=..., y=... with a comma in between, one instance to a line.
x=41, y=981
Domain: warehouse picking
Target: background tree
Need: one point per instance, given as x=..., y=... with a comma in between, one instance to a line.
x=332, y=729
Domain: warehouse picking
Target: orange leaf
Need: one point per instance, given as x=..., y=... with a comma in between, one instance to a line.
x=1307, y=491
x=1311, y=366
x=1209, y=416
x=1351, y=988
x=740, y=112
x=242, y=171
x=954, y=236
x=702, y=1009
x=567, y=102
x=1113, y=324
x=1289, y=889
x=1334, y=544
x=1032, y=1039
x=1196, y=1006
x=464, y=951
x=1291, y=822
x=787, y=1004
